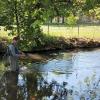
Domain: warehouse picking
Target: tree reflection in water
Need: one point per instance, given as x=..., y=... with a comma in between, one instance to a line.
x=8, y=86
x=39, y=89
x=33, y=86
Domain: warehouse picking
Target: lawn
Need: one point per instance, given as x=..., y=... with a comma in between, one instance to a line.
x=83, y=31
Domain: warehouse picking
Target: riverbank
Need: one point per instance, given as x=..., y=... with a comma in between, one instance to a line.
x=59, y=43
x=67, y=44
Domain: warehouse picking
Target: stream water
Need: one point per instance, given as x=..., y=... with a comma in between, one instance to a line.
x=65, y=75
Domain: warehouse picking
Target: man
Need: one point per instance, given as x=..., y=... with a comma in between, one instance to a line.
x=15, y=54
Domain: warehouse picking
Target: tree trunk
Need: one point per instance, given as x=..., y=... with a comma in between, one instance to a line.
x=16, y=16
x=62, y=19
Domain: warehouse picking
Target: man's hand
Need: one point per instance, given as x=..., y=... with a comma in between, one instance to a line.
x=21, y=52
x=22, y=56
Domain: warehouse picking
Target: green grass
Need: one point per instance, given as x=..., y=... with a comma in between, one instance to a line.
x=4, y=34
x=85, y=31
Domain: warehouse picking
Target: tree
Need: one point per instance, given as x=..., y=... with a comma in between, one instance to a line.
x=24, y=17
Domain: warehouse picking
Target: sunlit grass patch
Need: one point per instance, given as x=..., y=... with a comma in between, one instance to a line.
x=79, y=32
x=83, y=31
x=4, y=33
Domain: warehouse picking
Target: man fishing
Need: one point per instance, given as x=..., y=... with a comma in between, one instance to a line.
x=15, y=54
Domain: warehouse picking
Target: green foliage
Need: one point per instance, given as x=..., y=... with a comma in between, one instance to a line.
x=71, y=20
x=24, y=17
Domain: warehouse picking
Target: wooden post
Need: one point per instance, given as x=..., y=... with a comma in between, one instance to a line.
x=78, y=31
x=48, y=27
x=16, y=16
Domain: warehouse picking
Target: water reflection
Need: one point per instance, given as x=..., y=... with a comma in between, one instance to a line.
x=65, y=76
x=31, y=86
x=35, y=86
x=8, y=86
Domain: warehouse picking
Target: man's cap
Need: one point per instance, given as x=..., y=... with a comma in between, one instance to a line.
x=16, y=38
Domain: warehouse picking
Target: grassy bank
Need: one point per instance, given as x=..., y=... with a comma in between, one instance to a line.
x=61, y=43
x=61, y=37
x=83, y=31
x=58, y=43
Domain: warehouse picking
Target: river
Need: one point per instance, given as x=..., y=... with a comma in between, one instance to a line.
x=68, y=75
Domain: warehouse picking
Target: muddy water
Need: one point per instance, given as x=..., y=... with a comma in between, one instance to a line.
x=64, y=76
